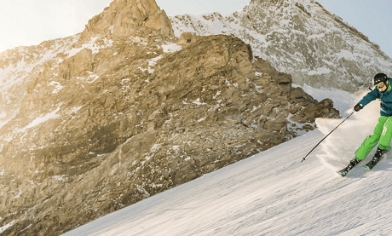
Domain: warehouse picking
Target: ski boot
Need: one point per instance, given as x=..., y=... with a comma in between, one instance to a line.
x=375, y=159
x=343, y=172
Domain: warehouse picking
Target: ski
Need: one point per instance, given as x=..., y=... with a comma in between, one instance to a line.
x=343, y=172
x=377, y=157
x=371, y=163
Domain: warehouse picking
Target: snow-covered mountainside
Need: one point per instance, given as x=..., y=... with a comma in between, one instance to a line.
x=273, y=193
x=300, y=38
x=124, y=110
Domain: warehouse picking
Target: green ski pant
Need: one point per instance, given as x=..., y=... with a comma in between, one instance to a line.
x=382, y=135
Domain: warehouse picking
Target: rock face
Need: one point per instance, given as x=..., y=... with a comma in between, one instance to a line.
x=124, y=18
x=98, y=121
x=300, y=38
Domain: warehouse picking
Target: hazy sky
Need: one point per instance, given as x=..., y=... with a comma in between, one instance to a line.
x=29, y=22
x=372, y=18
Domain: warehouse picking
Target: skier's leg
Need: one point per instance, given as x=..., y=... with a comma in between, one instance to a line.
x=384, y=143
x=371, y=141
x=386, y=135
x=367, y=145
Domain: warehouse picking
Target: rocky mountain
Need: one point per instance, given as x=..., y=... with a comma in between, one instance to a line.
x=298, y=37
x=126, y=109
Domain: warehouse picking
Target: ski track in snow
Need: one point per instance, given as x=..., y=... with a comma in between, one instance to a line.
x=273, y=193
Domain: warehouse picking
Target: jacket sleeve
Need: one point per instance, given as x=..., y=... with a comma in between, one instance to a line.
x=372, y=95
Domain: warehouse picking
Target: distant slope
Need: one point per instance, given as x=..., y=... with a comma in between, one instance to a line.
x=300, y=38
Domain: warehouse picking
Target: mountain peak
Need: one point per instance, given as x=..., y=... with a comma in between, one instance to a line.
x=128, y=17
x=300, y=38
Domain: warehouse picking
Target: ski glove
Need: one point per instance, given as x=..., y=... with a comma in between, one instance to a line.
x=357, y=107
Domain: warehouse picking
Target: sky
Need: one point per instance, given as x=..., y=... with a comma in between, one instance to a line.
x=30, y=22
x=372, y=18
x=273, y=192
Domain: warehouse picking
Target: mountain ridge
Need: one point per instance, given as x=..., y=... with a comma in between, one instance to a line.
x=299, y=38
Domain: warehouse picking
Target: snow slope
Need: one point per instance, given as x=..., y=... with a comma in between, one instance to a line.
x=273, y=193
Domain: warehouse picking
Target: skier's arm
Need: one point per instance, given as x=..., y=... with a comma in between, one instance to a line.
x=372, y=95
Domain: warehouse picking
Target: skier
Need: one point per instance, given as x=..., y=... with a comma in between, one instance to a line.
x=382, y=133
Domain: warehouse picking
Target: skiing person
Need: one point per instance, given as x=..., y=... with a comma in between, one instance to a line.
x=382, y=133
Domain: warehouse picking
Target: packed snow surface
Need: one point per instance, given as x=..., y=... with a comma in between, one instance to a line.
x=273, y=192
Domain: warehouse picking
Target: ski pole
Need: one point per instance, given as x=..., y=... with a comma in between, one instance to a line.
x=327, y=135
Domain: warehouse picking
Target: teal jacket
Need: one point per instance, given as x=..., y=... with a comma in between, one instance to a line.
x=385, y=99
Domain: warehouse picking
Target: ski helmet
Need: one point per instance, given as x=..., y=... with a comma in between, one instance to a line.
x=380, y=77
